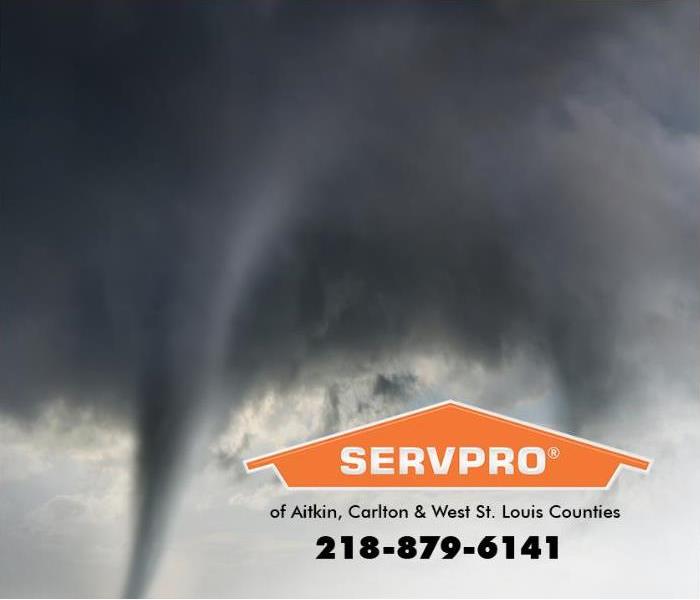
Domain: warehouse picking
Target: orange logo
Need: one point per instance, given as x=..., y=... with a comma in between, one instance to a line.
x=449, y=445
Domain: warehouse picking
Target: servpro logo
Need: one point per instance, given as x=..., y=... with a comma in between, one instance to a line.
x=405, y=460
x=449, y=445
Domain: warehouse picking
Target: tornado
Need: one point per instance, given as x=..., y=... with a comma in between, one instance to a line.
x=174, y=392
x=184, y=360
x=165, y=402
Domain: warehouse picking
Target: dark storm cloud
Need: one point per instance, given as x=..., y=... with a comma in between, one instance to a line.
x=393, y=385
x=331, y=419
x=471, y=178
x=458, y=201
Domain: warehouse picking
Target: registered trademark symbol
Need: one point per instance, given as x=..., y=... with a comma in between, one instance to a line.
x=553, y=452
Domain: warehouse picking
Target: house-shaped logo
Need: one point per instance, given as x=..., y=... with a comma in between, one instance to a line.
x=449, y=445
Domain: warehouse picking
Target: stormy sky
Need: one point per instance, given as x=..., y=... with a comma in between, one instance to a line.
x=215, y=214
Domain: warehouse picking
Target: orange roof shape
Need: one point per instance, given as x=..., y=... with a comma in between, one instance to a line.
x=449, y=445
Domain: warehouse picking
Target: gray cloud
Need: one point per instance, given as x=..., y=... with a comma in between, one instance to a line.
x=394, y=385
x=224, y=197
